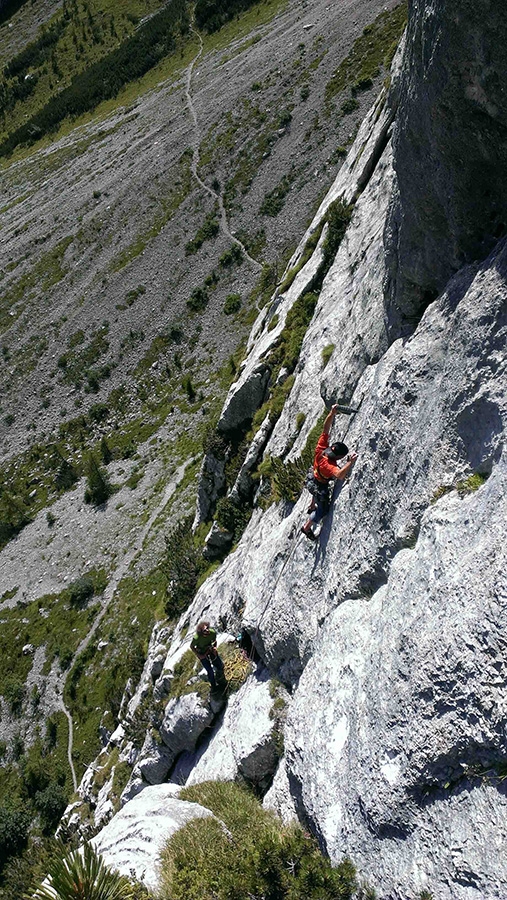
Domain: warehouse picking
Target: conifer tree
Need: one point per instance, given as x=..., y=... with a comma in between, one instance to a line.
x=98, y=488
x=66, y=475
x=105, y=452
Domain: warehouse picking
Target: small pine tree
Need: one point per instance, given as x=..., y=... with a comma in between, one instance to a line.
x=98, y=488
x=105, y=452
x=189, y=388
x=66, y=475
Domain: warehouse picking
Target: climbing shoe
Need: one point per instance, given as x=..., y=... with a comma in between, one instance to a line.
x=309, y=534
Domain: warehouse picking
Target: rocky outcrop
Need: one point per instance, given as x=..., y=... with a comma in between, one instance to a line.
x=211, y=485
x=132, y=841
x=450, y=149
x=245, y=396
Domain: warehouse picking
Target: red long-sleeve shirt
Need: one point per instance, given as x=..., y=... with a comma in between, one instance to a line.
x=323, y=469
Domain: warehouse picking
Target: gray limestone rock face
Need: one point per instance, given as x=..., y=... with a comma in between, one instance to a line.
x=242, y=486
x=156, y=651
x=279, y=797
x=245, y=397
x=132, y=841
x=450, y=148
x=218, y=540
x=433, y=411
x=397, y=732
x=244, y=744
x=154, y=761
x=185, y=718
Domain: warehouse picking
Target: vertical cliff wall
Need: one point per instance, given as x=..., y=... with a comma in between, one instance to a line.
x=450, y=148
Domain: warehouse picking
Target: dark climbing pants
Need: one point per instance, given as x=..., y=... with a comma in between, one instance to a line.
x=321, y=498
x=210, y=663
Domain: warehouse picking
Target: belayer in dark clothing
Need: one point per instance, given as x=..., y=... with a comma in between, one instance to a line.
x=325, y=468
x=204, y=645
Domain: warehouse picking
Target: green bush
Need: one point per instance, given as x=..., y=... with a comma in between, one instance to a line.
x=14, y=693
x=257, y=856
x=349, y=106
x=214, y=443
x=231, y=517
x=14, y=827
x=106, y=454
x=338, y=217
x=66, y=475
x=274, y=200
x=232, y=304
x=198, y=299
x=81, y=590
x=208, y=230
x=188, y=388
x=231, y=257
x=14, y=516
x=51, y=803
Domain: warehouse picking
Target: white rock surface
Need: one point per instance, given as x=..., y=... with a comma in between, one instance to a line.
x=279, y=798
x=404, y=697
x=132, y=841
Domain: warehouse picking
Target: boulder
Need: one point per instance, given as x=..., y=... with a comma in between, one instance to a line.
x=185, y=718
x=217, y=542
x=242, y=487
x=211, y=485
x=279, y=798
x=132, y=841
x=154, y=760
x=244, y=744
x=244, y=398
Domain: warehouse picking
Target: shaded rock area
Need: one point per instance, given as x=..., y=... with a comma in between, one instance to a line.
x=132, y=841
x=450, y=149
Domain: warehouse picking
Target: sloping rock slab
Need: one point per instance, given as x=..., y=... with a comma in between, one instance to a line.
x=132, y=841
x=399, y=721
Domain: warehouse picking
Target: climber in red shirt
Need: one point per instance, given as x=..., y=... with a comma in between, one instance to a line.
x=325, y=468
